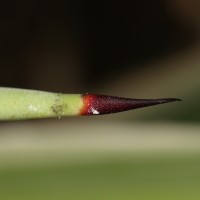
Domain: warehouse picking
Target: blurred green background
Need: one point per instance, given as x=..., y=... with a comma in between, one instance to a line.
x=138, y=49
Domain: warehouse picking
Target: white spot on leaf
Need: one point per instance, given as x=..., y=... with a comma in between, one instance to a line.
x=94, y=111
x=32, y=108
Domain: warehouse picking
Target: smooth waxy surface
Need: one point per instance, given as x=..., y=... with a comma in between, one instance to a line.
x=16, y=104
x=102, y=104
x=28, y=104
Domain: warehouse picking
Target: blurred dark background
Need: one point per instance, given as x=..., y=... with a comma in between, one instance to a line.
x=137, y=49
x=76, y=46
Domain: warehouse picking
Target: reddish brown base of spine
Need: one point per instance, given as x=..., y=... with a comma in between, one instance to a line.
x=102, y=104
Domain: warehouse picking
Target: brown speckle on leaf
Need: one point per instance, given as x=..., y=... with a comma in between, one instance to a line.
x=57, y=109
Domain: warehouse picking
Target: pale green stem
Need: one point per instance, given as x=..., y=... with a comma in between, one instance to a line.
x=16, y=104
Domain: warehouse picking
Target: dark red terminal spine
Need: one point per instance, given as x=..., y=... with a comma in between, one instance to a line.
x=101, y=104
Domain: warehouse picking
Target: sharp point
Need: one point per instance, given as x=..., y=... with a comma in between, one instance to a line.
x=169, y=99
x=102, y=104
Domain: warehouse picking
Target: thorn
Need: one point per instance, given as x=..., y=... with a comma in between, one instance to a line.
x=101, y=104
